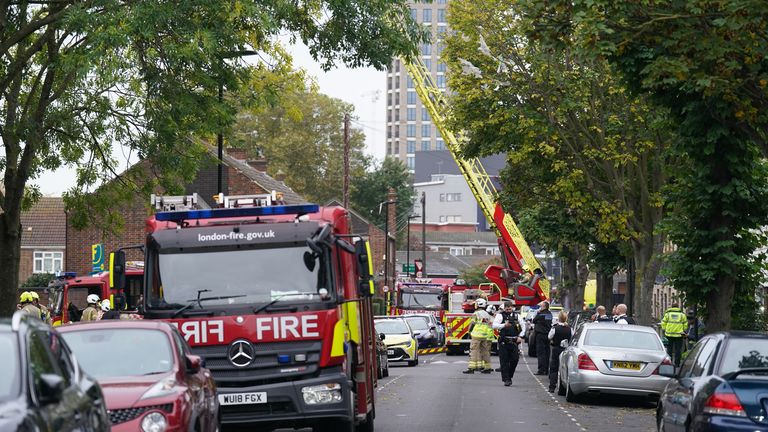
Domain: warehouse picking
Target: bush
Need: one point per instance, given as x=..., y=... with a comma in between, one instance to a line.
x=38, y=280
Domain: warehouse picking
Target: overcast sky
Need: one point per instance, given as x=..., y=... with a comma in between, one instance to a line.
x=363, y=87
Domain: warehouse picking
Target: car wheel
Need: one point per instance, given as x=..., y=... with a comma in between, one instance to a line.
x=570, y=396
x=659, y=420
x=560, y=387
x=367, y=426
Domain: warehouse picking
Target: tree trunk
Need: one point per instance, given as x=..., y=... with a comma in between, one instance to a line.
x=570, y=279
x=719, y=304
x=647, y=257
x=604, y=295
x=10, y=252
x=581, y=283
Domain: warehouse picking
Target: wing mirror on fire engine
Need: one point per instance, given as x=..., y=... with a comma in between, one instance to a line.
x=364, y=268
x=117, y=270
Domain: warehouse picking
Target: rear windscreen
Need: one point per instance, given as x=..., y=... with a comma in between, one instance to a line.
x=616, y=338
x=744, y=354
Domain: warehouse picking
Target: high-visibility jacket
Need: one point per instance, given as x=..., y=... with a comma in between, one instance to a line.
x=482, y=325
x=674, y=323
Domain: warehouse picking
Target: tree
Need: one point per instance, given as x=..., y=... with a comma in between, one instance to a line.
x=370, y=191
x=705, y=62
x=303, y=137
x=475, y=274
x=81, y=79
x=599, y=150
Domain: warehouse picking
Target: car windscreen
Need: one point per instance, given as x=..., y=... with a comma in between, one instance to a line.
x=9, y=372
x=420, y=300
x=392, y=326
x=417, y=323
x=744, y=353
x=236, y=277
x=620, y=338
x=105, y=353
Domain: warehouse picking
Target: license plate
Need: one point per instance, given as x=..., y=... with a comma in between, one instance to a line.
x=626, y=365
x=390, y=352
x=243, y=398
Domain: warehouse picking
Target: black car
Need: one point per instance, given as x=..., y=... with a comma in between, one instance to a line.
x=721, y=386
x=41, y=384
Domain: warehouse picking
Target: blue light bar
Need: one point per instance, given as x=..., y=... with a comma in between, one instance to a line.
x=177, y=216
x=65, y=275
x=283, y=358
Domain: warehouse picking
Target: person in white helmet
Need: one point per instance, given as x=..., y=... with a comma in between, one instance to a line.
x=480, y=344
x=107, y=312
x=91, y=313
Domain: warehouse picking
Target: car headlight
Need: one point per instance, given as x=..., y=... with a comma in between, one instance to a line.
x=164, y=387
x=154, y=422
x=322, y=394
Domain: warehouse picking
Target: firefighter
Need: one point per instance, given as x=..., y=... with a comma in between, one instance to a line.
x=107, y=312
x=527, y=276
x=480, y=345
x=91, y=313
x=542, y=323
x=27, y=305
x=674, y=325
x=45, y=316
x=559, y=332
x=511, y=327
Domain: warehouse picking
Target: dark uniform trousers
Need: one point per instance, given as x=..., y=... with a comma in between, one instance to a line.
x=509, y=356
x=554, y=365
x=675, y=349
x=542, y=353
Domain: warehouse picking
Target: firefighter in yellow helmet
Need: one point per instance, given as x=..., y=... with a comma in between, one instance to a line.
x=480, y=344
x=44, y=314
x=26, y=305
x=91, y=313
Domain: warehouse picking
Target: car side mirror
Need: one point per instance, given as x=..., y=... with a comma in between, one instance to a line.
x=564, y=343
x=667, y=370
x=382, y=336
x=51, y=388
x=194, y=363
x=433, y=327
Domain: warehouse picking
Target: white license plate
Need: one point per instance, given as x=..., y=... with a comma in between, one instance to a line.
x=390, y=352
x=243, y=398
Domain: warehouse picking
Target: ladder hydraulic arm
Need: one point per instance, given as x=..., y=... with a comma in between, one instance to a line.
x=515, y=250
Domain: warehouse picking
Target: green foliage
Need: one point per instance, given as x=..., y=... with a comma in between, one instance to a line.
x=38, y=280
x=475, y=274
x=370, y=190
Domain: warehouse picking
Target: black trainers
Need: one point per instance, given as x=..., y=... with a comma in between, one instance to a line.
x=486, y=371
x=507, y=383
x=468, y=371
x=551, y=390
x=498, y=369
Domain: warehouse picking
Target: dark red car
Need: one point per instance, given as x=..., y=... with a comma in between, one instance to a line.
x=150, y=379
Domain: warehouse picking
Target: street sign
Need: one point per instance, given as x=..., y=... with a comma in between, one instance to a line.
x=409, y=268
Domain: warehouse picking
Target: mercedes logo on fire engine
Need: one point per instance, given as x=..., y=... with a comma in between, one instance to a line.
x=240, y=353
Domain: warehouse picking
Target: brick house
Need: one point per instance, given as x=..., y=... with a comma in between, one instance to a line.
x=239, y=177
x=43, y=238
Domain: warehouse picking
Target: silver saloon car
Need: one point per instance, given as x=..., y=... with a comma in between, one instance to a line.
x=612, y=358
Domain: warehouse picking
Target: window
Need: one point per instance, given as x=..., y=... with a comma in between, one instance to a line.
x=457, y=251
x=426, y=49
x=440, y=15
x=687, y=366
x=426, y=16
x=425, y=115
x=441, y=67
x=440, y=145
x=411, y=114
x=428, y=64
x=411, y=130
x=442, y=199
x=441, y=81
x=409, y=82
x=40, y=360
x=441, y=31
x=411, y=162
x=453, y=218
x=440, y=48
x=411, y=98
x=48, y=262
x=614, y=338
x=744, y=353
x=425, y=145
x=452, y=197
x=441, y=1
x=397, y=115
x=413, y=14
x=426, y=130
x=62, y=357
x=442, y=218
x=703, y=362
x=411, y=146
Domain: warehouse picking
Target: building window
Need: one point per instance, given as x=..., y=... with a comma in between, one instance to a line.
x=426, y=130
x=397, y=115
x=441, y=81
x=441, y=67
x=453, y=218
x=425, y=145
x=411, y=161
x=439, y=49
x=409, y=82
x=411, y=98
x=441, y=30
x=440, y=15
x=411, y=114
x=425, y=115
x=411, y=129
x=48, y=262
x=413, y=14
x=411, y=146
x=426, y=49
x=442, y=218
x=457, y=251
x=428, y=64
x=451, y=197
x=440, y=145
x=441, y=1
x=426, y=16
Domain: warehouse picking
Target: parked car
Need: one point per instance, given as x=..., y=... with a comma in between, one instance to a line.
x=721, y=386
x=42, y=386
x=576, y=319
x=400, y=340
x=150, y=378
x=429, y=333
x=613, y=359
x=382, y=369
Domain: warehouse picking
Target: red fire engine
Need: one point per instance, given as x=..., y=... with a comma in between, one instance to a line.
x=461, y=306
x=275, y=299
x=421, y=297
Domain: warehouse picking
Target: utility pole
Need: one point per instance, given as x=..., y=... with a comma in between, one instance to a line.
x=423, y=234
x=408, y=245
x=345, y=192
x=220, y=144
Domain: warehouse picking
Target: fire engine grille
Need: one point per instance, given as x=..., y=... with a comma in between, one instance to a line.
x=266, y=366
x=124, y=415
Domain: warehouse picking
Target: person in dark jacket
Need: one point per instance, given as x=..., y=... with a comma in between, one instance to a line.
x=107, y=312
x=559, y=332
x=511, y=329
x=542, y=323
x=601, y=316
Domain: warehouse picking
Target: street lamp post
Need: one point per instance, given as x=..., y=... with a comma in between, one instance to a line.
x=386, y=238
x=408, y=245
x=423, y=234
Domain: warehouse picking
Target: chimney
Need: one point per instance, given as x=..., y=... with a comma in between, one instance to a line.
x=237, y=153
x=258, y=164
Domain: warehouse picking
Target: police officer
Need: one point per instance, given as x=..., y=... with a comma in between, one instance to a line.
x=559, y=332
x=542, y=323
x=480, y=344
x=27, y=306
x=45, y=316
x=91, y=313
x=601, y=316
x=674, y=325
x=622, y=317
x=511, y=329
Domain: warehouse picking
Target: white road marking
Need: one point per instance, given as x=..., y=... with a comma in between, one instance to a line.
x=390, y=382
x=461, y=362
x=552, y=396
x=439, y=362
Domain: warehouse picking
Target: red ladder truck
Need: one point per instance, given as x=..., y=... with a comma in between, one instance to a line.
x=276, y=299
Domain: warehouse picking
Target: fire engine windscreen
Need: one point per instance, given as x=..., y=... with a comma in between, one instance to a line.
x=236, y=277
x=420, y=300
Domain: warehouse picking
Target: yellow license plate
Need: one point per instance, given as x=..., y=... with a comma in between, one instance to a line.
x=626, y=365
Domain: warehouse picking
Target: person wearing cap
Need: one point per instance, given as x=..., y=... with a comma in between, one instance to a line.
x=45, y=316
x=480, y=344
x=27, y=305
x=107, y=312
x=542, y=323
x=91, y=313
x=511, y=327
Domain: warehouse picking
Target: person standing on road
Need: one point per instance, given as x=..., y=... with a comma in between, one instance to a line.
x=542, y=323
x=559, y=332
x=26, y=305
x=91, y=313
x=674, y=324
x=45, y=316
x=601, y=316
x=511, y=329
x=622, y=317
x=480, y=344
